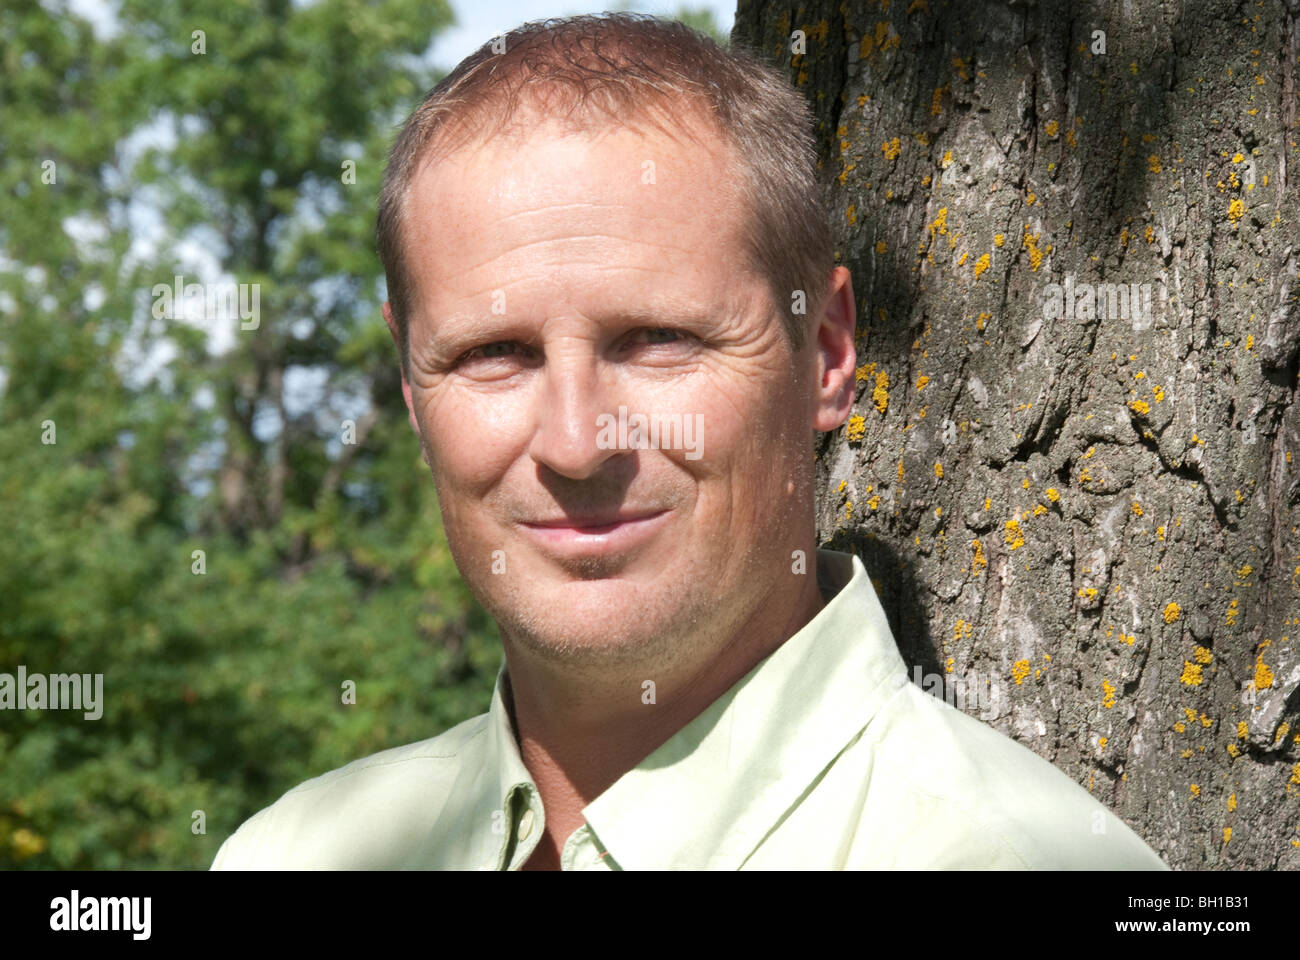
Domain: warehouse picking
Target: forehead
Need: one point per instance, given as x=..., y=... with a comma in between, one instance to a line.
x=544, y=198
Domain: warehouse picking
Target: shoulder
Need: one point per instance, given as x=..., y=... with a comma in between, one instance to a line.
x=373, y=813
x=981, y=799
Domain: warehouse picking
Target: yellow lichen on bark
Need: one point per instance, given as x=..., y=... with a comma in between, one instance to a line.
x=880, y=392
x=1015, y=539
x=857, y=428
x=1263, y=674
x=1108, y=694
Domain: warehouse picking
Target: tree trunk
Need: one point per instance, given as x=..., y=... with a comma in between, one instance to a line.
x=1091, y=505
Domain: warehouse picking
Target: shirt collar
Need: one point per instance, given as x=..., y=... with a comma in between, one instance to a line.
x=511, y=775
x=477, y=826
x=706, y=798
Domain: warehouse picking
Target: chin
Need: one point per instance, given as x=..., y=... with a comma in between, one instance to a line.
x=596, y=642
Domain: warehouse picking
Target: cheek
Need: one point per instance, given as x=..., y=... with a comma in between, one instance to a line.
x=774, y=451
x=757, y=415
x=472, y=439
x=748, y=442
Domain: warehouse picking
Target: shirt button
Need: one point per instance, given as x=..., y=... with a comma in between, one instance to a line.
x=526, y=824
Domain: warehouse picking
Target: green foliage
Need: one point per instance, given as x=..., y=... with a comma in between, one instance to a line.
x=324, y=562
x=697, y=18
x=703, y=20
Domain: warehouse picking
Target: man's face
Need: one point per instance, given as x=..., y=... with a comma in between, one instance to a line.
x=560, y=278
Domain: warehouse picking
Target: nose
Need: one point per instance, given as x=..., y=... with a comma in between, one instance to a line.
x=567, y=421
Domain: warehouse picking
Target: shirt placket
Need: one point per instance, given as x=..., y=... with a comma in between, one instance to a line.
x=527, y=826
x=583, y=852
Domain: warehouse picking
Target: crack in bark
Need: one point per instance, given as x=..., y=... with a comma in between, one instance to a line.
x=1183, y=471
x=1288, y=92
x=1276, y=480
x=956, y=393
x=1038, y=441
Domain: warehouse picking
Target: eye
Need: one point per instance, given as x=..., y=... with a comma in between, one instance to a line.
x=655, y=335
x=489, y=351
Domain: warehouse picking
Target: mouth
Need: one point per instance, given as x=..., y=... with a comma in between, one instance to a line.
x=594, y=535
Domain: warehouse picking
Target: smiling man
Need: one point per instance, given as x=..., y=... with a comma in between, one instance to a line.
x=598, y=233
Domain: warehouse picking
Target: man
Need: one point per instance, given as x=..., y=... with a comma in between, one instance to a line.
x=597, y=235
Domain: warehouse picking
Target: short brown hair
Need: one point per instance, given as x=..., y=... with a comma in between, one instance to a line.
x=629, y=64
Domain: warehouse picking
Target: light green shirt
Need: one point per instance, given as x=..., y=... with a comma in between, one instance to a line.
x=824, y=756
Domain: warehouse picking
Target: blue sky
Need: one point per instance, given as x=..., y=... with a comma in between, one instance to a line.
x=479, y=22
x=476, y=23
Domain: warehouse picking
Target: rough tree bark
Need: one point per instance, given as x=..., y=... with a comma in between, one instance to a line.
x=1097, y=512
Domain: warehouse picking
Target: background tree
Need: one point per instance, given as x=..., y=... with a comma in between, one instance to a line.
x=702, y=20
x=230, y=521
x=1097, y=511
x=228, y=550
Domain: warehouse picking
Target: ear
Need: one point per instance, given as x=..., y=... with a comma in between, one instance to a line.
x=837, y=356
x=406, y=384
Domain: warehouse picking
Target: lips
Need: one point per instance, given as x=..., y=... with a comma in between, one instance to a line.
x=593, y=523
x=594, y=535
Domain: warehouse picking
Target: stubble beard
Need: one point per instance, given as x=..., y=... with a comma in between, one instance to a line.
x=649, y=636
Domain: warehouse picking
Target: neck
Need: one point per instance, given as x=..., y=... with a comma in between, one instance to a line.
x=578, y=733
